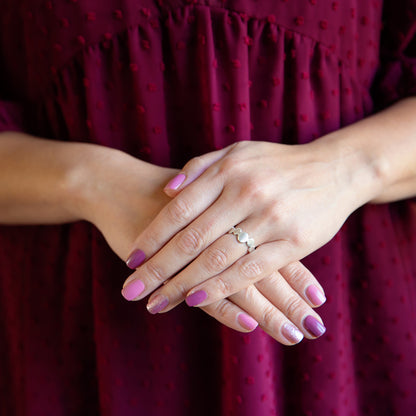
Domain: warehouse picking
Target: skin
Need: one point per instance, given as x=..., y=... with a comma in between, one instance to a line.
x=303, y=194
x=51, y=182
x=48, y=182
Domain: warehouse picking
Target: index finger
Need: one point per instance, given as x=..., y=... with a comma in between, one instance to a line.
x=176, y=215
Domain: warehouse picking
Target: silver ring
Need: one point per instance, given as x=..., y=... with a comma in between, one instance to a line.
x=243, y=238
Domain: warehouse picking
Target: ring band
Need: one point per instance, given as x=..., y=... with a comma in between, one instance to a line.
x=243, y=238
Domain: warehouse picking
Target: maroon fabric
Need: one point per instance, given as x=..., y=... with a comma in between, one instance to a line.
x=165, y=81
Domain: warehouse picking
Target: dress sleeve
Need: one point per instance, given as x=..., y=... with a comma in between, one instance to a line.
x=11, y=116
x=396, y=76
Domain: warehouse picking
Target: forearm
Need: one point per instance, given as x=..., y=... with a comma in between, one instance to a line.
x=380, y=153
x=38, y=179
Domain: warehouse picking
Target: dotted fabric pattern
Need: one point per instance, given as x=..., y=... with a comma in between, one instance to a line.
x=166, y=81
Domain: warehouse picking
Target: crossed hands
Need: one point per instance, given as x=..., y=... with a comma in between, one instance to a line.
x=290, y=200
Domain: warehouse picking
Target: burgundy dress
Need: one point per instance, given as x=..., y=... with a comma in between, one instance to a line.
x=165, y=81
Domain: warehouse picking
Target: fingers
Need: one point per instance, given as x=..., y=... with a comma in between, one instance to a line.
x=247, y=270
x=192, y=170
x=270, y=318
x=304, y=283
x=282, y=311
x=177, y=214
x=279, y=310
x=280, y=294
x=231, y=315
x=252, y=268
x=244, y=311
x=216, y=258
x=272, y=304
x=182, y=249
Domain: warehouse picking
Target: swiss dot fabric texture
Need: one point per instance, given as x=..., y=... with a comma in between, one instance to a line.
x=165, y=81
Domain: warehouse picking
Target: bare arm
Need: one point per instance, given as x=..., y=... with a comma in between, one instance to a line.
x=46, y=181
x=382, y=150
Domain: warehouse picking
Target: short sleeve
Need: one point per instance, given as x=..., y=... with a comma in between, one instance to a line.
x=396, y=76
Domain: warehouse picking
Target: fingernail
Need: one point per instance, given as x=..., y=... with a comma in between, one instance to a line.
x=315, y=295
x=133, y=289
x=157, y=304
x=176, y=182
x=313, y=326
x=291, y=333
x=196, y=298
x=136, y=259
x=246, y=321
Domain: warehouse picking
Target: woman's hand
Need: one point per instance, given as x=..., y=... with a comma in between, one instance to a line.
x=290, y=199
x=50, y=182
x=281, y=304
x=121, y=197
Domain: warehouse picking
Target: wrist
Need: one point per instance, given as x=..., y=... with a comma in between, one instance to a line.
x=77, y=188
x=104, y=175
x=358, y=171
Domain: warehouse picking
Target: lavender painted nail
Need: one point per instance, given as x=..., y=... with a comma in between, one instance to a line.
x=313, y=326
x=196, y=298
x=157, y=304
x=315, y=295
x=133, y=289
x=176, y=182
x=136, y=259
x=246, y=321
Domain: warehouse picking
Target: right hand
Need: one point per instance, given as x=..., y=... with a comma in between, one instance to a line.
x=121, y=195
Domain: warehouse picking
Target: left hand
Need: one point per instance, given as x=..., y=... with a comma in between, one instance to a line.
x=290, y=199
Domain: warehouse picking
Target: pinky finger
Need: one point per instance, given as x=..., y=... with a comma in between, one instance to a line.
x=193, y=169
x=231, y=315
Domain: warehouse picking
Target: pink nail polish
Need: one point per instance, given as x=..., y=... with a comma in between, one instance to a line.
x=176, y=182
x=246, y=321
x=196, y=298
x=133, y=289
x=291, y=333
x=313, y=326
x=136, y=259
x=157, y=304
x=315, y=295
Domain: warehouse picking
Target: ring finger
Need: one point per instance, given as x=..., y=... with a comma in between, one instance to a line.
x=192, y=245
x=216, y=258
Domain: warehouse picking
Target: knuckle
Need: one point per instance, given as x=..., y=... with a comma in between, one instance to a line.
x=275, y=213
x=293, y=307
x=250, y=294
x=195, y=164
x=153, y=239
x=224, y=287
x=179, y=211
x=251, y=269
x=252, y=189
x=155, y=272
x=177, y=288
x=298, y=237
x=297, y=275
x=269, y=316
x=216, y=260
x=228, y=165
x=221, y=309
x=190, y=241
